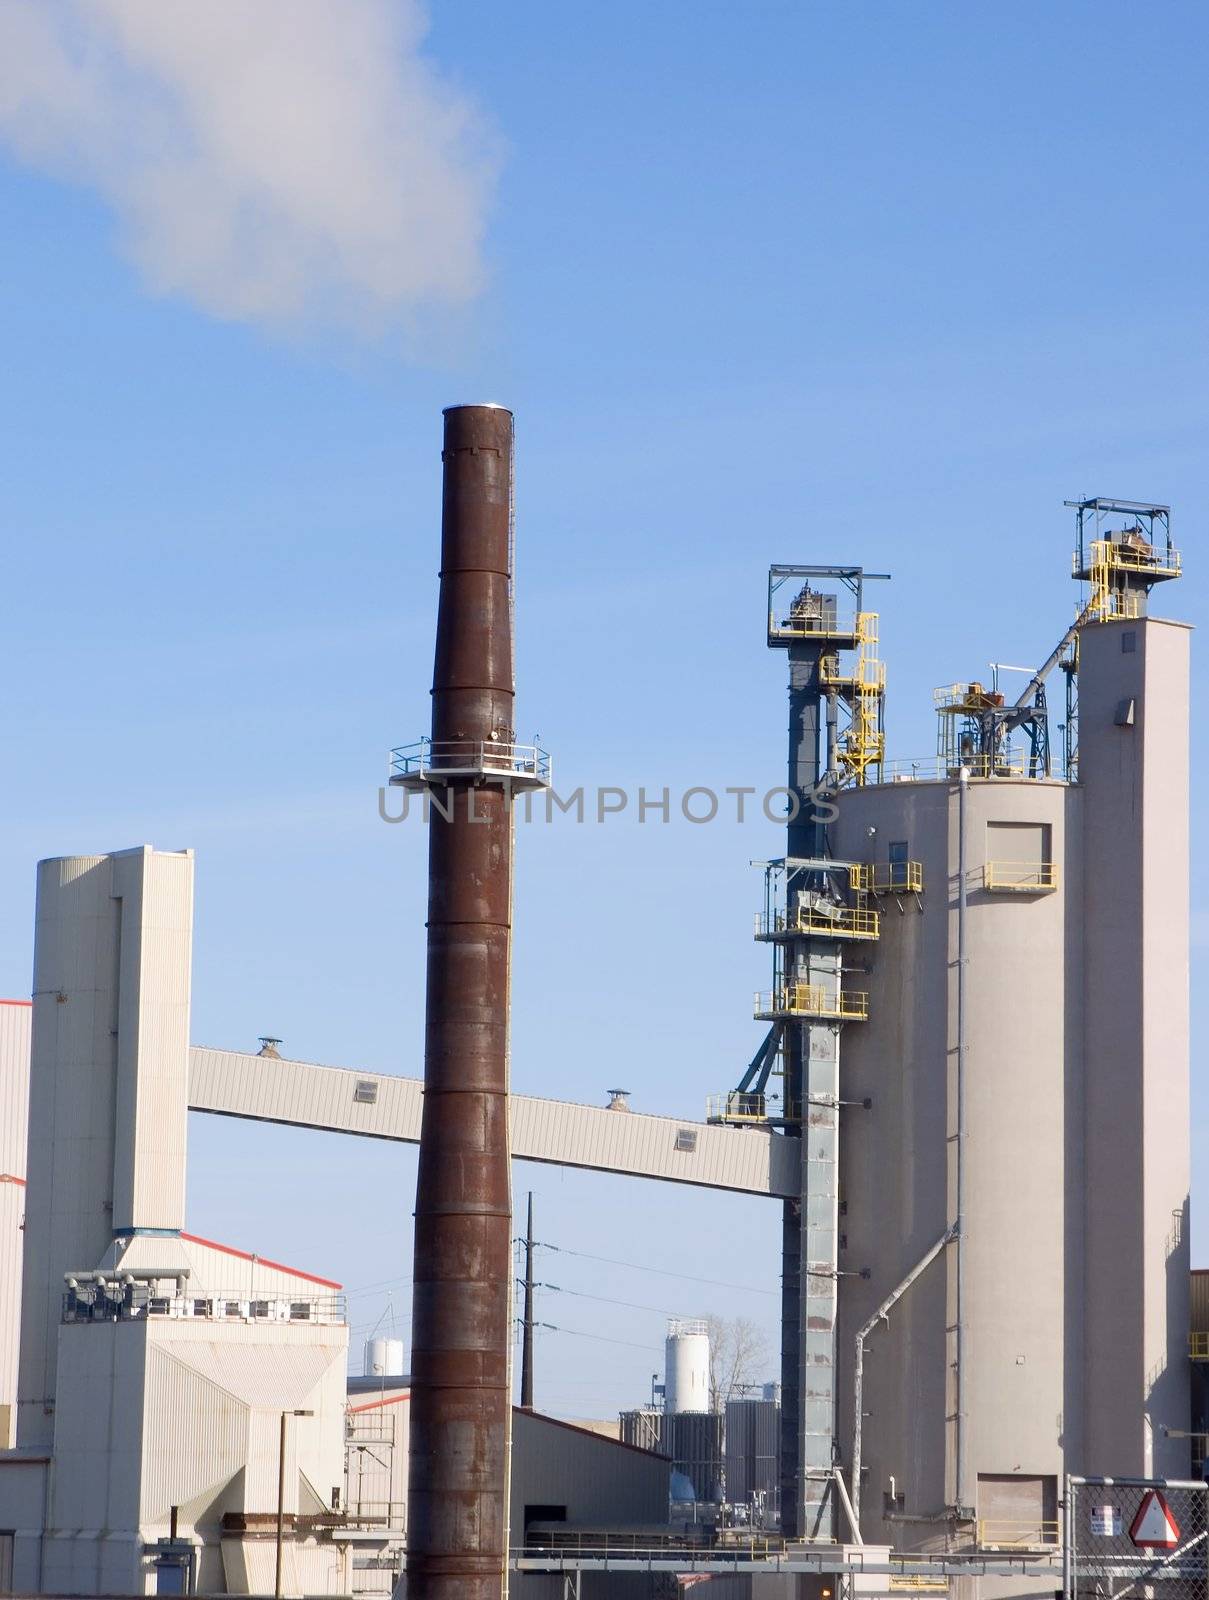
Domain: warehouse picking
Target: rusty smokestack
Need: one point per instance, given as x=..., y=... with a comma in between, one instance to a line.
x=457, y=1514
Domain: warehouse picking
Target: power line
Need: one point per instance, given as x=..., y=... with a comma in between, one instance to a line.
x=608, y=1300
x=661, y=1272
x=370, y=1288
x=581, y=1333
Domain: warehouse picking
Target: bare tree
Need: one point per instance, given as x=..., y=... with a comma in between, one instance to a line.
x=738, y=1355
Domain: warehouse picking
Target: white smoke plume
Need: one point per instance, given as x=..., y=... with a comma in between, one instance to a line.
x=279, y=161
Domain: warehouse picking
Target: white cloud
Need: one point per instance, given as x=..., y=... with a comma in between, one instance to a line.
x=282, y=161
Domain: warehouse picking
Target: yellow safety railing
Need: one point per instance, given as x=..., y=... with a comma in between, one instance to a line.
x=1123, y=558
x=1002, y=765
x=810, y=625
x=812, y=1000
x=738, y=1105
x=1198, y=1346
x=1107, y=558
x=966, y=697
x=862, y=747
x=847, y=922
x=865, y=675
x=1020, y=877
x=999, y=1533
x=896, y=877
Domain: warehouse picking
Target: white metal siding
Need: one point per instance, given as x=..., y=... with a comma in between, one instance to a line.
x=749, y=1160
x=12, y=1207
x=156, y=890
x=107, y=1080
x=14, y=1123
x=14, y=1085
x=238, y=1379
x=70, y=1173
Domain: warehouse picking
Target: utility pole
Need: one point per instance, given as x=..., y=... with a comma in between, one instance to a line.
x=527, y=1335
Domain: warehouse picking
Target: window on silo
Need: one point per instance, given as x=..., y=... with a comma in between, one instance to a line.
x=898, y=854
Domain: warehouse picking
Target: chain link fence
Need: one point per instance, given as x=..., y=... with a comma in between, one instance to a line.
x=1136, y=1539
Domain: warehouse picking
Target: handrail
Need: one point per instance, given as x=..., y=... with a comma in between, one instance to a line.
x=939, y=769
x=849, y=922
x=737, y=1105
x=444, y=758
x=120, y=1302
x=966, y=696
x=1109, y=553
x=1020, y=877
x=640, y=1543
x=866, y=675
x=813, y=1000
x=389, y=1513
x=1006, y=1533
x=901, y=877
x=813, y=626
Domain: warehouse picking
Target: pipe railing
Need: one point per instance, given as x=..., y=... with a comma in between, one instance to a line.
x=441, y=759
x=136, y=1302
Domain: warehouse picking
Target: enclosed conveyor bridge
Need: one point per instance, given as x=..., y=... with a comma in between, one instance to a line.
x=301, y=1094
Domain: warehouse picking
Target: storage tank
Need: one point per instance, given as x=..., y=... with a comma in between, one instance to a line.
x=385, y=1358
x=640, y=1429
x=752, y=1450
x=686, y=1371
x=693, y=1439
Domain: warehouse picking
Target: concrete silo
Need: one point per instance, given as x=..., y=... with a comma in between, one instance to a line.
x=986, y=1276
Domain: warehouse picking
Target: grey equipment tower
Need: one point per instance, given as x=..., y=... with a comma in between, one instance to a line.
x=814, y=907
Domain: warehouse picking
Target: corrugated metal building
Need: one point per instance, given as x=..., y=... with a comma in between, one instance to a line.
x=14, y=1116
x=561, y=1474
x=154, y=1366
x=587, y=1478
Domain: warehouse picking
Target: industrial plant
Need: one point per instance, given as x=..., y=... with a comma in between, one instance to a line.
x=968, y=1111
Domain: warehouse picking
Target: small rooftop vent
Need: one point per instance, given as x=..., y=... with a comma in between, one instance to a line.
x=619, y=1099
x=268, y=1047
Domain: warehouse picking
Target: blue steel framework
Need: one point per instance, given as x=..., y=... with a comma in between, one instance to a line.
x=813, y=633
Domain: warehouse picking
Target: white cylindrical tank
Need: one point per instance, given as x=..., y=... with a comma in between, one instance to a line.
x=385, y=1358
x=686, y=1370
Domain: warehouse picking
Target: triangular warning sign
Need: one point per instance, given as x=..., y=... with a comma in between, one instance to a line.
x=1154, y=1528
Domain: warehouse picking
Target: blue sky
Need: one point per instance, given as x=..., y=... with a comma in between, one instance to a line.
x=881, y=283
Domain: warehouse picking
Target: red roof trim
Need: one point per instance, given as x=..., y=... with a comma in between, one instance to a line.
x=541, y=1416
x=274, y=1266
x=16, y=1002
x=376, y=1405
x=11, y=1177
